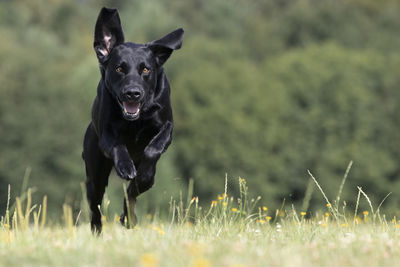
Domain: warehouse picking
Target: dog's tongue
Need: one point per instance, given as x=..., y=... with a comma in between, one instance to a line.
x=131, y=107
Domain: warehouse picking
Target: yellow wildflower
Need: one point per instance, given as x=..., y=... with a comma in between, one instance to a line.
x=213, y=203
x=261, y=221
x=220, y=198
x=234, y=209
x=149, y=260
x=268, y=218
x=159, y=230
x=328, y=205
x=327, y=214
x=5, y=237
x=365, y=212
x=224, y=203
x=201, y=262
x=303, y=213
x=265, y=208
x=344, y=224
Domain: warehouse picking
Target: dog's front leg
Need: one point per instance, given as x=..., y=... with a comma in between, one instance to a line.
x=118, y=152
x=146, y=171
x=147, y=167
x=123, y=163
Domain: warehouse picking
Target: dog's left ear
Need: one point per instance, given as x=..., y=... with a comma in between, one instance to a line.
x=162, y=48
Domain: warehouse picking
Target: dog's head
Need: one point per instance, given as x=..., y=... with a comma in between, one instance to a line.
x=128, y=69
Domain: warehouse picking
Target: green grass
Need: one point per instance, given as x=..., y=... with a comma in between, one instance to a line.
x=156, y=244
x=227, y=232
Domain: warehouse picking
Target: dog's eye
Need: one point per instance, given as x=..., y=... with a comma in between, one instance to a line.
x=118, y=69
x=145, y=70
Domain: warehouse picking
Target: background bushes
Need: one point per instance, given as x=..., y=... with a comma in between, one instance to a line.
x=263, y=90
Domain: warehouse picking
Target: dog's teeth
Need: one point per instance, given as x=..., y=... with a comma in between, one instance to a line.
x=129, y=113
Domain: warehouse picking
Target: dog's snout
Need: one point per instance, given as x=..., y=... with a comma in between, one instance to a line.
x=133, y=93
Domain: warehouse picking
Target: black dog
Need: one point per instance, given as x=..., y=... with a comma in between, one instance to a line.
x=131, y=116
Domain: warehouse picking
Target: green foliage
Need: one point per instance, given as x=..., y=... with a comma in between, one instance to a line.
x=326, y=97
x=263, y=90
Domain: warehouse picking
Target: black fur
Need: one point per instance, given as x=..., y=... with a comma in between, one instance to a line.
x=131, y=115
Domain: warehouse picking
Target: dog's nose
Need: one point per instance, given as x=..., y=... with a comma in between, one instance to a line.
x=133, y=93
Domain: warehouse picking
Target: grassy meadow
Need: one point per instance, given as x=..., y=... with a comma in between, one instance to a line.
x=228, y=232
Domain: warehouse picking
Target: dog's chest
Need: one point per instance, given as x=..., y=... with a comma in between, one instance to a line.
x=137, y=137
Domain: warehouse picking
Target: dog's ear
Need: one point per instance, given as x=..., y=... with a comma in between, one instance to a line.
x=107, y=33
x=162, y=48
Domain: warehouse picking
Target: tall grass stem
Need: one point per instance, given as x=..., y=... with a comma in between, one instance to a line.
x=342, y=184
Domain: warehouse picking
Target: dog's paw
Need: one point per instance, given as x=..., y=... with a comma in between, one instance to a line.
x=123, y=219
x=125, y=169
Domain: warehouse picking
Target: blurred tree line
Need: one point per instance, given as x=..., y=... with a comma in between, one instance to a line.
x=261, y=89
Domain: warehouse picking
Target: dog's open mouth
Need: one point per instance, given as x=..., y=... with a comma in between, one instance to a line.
x=131, y=109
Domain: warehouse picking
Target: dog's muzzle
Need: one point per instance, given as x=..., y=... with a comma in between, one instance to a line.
x=131, y=103
x=131, y=109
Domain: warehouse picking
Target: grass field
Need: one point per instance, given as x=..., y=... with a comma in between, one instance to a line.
x=228, y=232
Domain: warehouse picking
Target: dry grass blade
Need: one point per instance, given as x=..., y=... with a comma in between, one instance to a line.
x=28, y=207
x=334, y=212
x=356, y=209
x=379, y=206
x=308, y=195
x=343, y=182
x=367, y=198
x=44, y=213
x=20, y=214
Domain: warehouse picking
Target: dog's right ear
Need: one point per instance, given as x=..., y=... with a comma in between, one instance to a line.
x=107, y=33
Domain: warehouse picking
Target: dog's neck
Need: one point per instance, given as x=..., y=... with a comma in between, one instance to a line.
x=102, y=71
